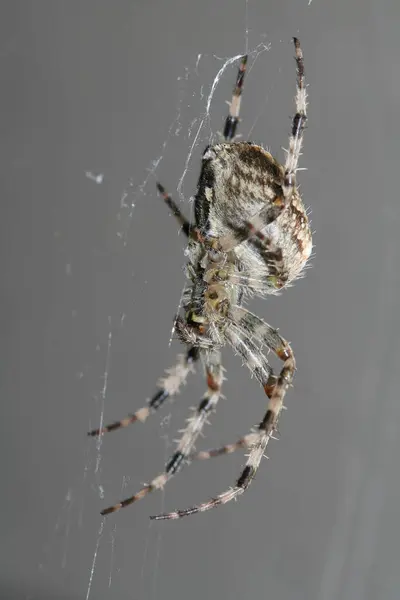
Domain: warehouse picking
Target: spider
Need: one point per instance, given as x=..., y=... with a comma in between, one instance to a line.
x=251, y=236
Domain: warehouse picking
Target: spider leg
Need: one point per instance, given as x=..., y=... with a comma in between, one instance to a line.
x=188, y=229
x=298, y=125
x=247, y=441
x=271, y=252
x=251, y=232
x=242, y=233
x=190, y=434
x=182, y=220
x=168, y=385
x=245, y=347
x=232, y=120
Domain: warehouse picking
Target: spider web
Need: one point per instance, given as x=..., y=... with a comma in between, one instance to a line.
x=197, y=128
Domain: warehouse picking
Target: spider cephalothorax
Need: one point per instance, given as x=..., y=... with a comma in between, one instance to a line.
x=251, y=236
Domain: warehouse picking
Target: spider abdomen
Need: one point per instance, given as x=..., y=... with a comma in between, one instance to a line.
x=242, y=183
x=236, y=181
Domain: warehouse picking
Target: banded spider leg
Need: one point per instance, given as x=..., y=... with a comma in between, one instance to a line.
x=214, y=371
x=275, y=389
x=168, y=385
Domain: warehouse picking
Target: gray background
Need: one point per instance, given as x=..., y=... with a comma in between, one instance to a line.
x=112, y=87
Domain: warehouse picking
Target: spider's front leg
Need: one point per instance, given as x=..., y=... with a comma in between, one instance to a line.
x=168, y=387
x=214, y=371
x=245, y=326
x=188, y=229
x=298, y=124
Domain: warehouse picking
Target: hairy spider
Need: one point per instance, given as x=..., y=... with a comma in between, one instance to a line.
x=251, y=236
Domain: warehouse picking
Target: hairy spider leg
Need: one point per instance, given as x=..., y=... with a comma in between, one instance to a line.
x=168, y=386
x=298, y=125
x=182, y=220
x=268, y=214
x=214, y=372
x=232, y=120
x=188, y=229
x=238, y=337
x=271, y=253
x=247, y=441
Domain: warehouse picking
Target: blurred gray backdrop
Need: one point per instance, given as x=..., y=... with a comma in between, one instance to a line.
x=90, y=285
